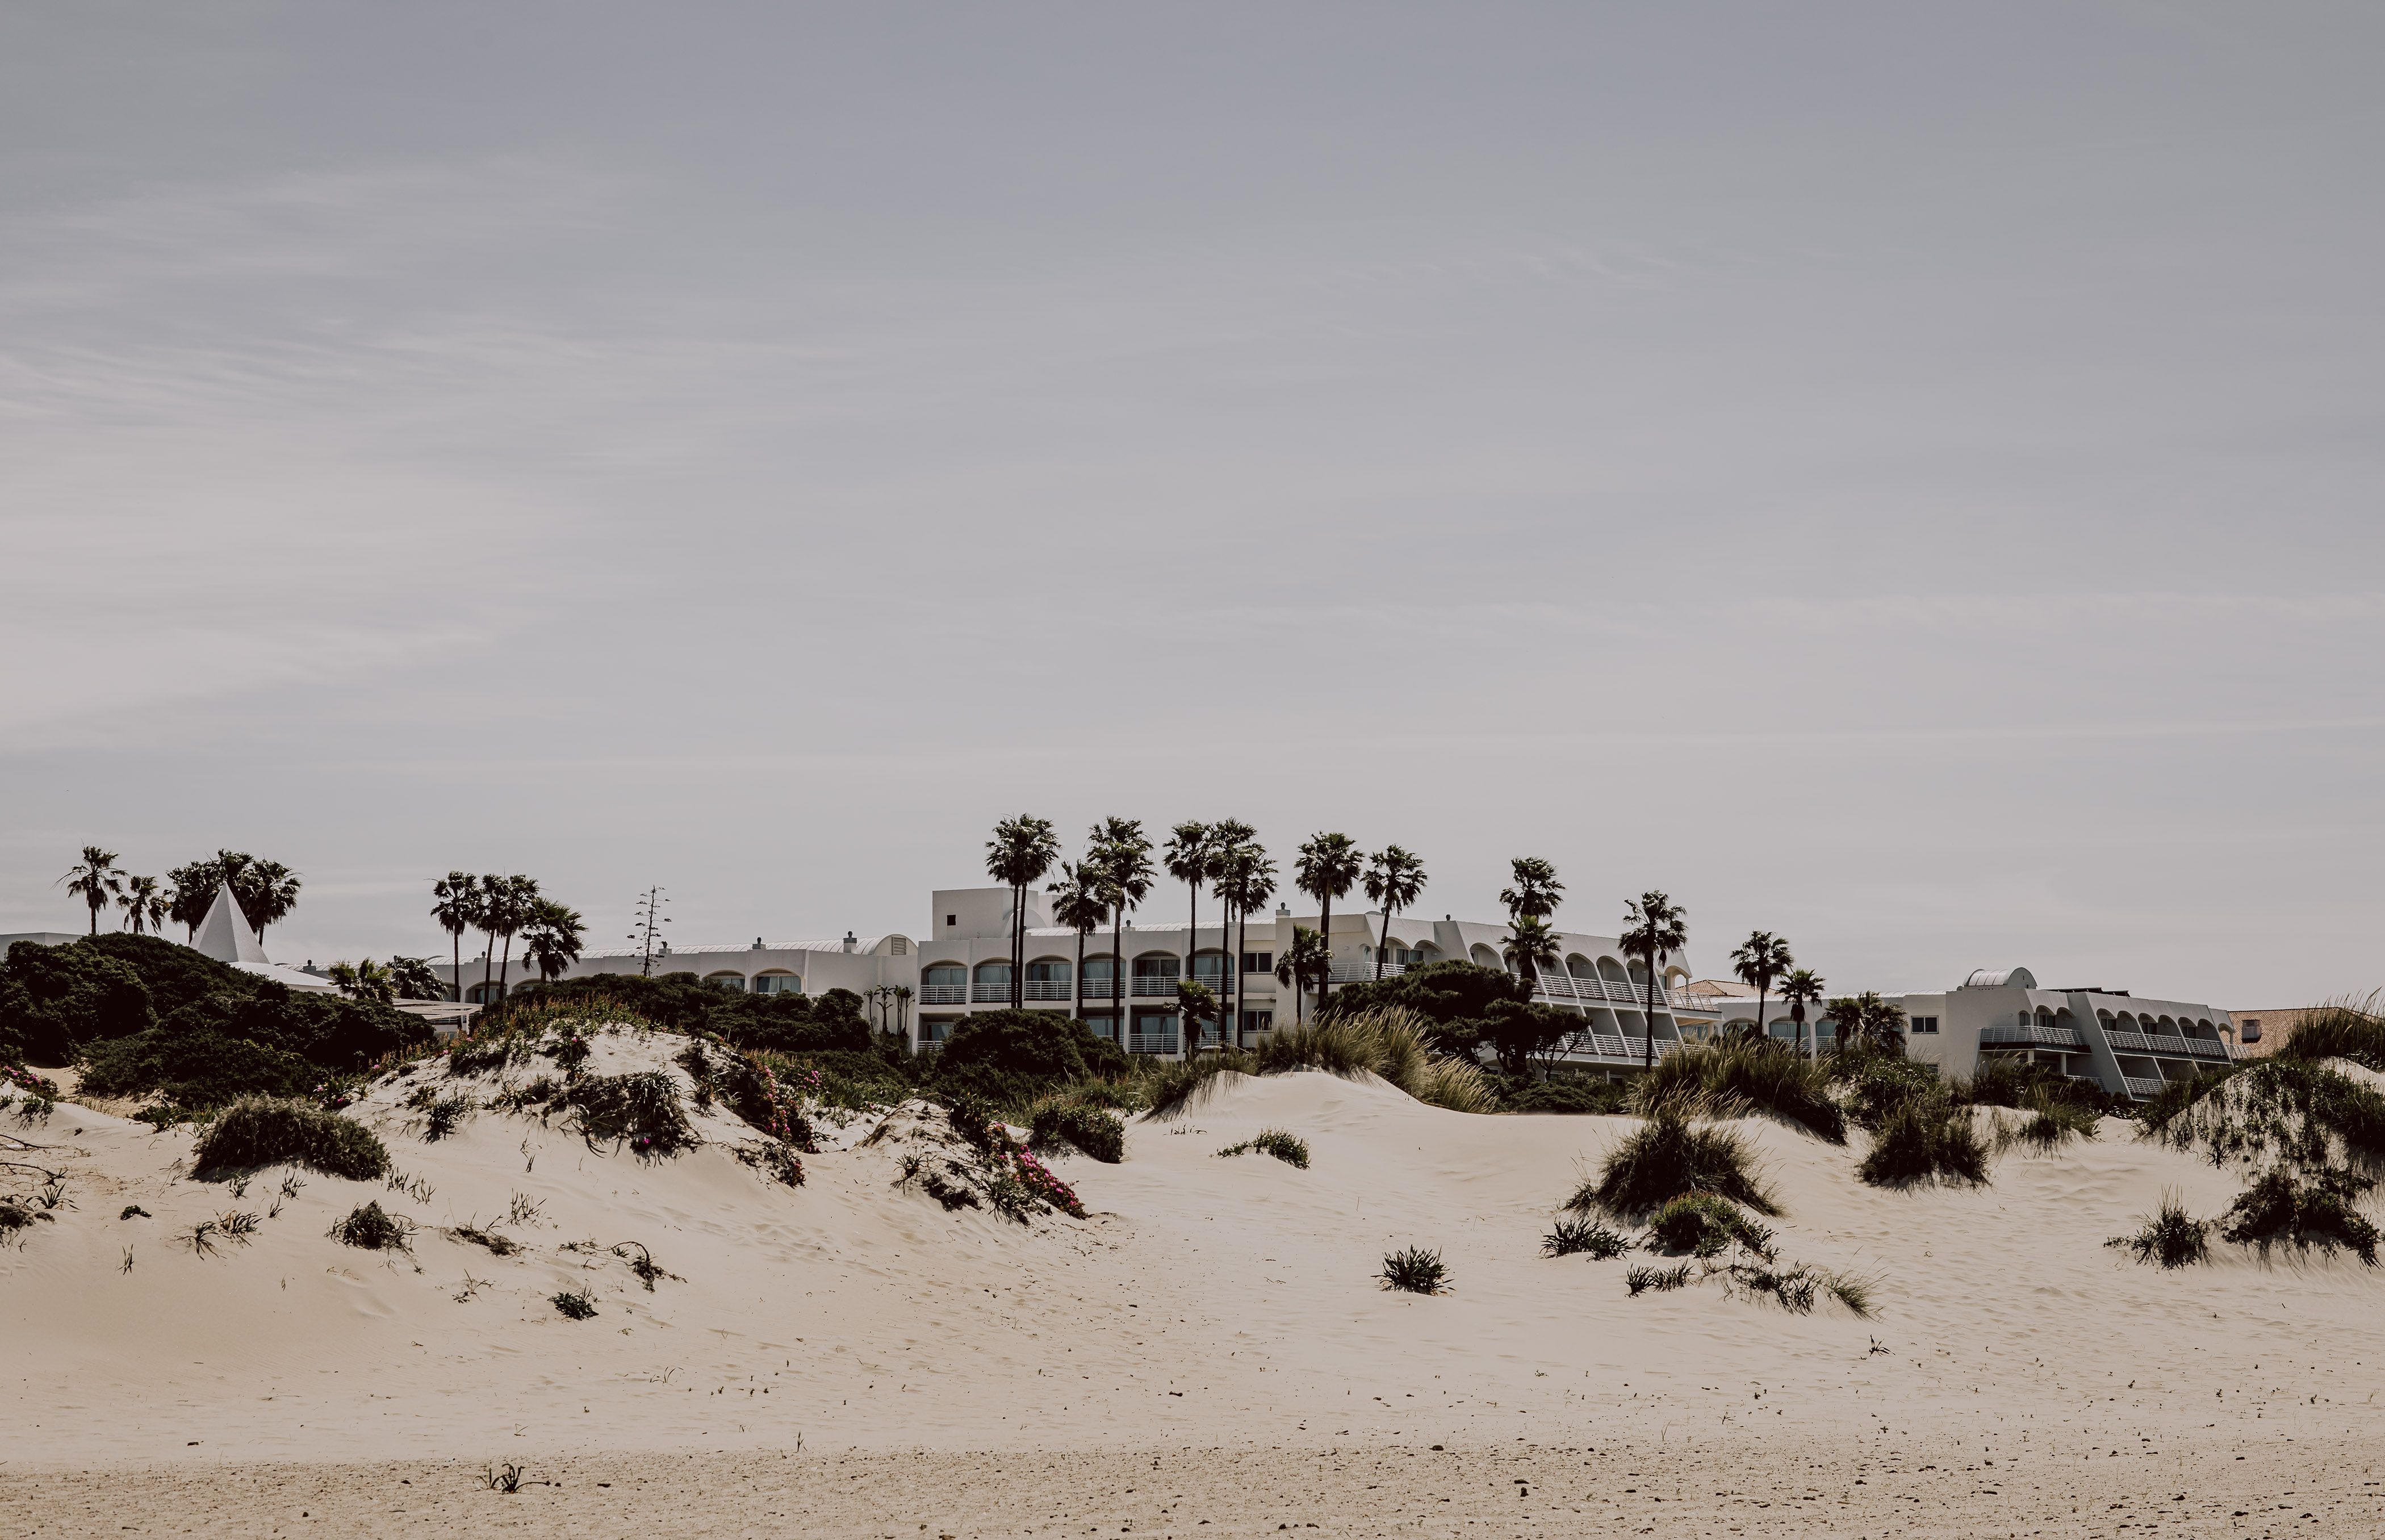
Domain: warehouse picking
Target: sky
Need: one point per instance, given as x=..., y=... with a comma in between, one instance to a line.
x=1905, y=477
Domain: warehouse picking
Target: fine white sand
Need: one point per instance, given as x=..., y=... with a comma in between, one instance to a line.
x=846, y=1354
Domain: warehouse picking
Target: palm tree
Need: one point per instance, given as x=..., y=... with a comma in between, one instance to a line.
x=1866, y=1018
x=362, y=981
x=1530, y=946
x=1081, y=901
x=1760, y=959
x=267, y=891
x=1246, y=882
x=1536, y=892
x=1225, y=836
x=455, y=902
x=512, y=905
x=1309, y=961
x=1195, y=1004
x=1328, y=865
x=144, y=906
x=1652, y=926
x=551, y=936
x=1119, y=844
x=1021, y=851
x=96, y=880
x=414, y=979
x=194, y=892
x=1186, y=855
x=1395, y=879
x=1803, y=987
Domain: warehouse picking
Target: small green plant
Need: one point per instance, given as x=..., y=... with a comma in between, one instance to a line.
x=575, y=1304
x=134, y=1211
x=1583, y=1238
x=1290, y=1149
x=2313, y=1211
x=1640, y=1279
x=500, y=1244
x=444, y=1115
x=640, y=1111
x=1095, y=1131
x=774, y=1160
x=1668, y=1155
x=1703, y=1225
x=524, y=1208
x=1415, y=1270
x=238, y=1226
x=266, y=1131
x=2169, y=1235
x=371, y=1228
x=1798, y=1289
x=644, y=1264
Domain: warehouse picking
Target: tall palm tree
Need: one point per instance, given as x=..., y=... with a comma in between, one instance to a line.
x=143, y=905
x=1652, y=926
x=1530, y=946
x=1309, y=961
x=1124, y=852
x=96, y=880
x=1758, y=960
x=1081, y=901
x=1328, y=865
x=1186, y=855
x=267, y=891
x=1197, y=1004
x=551, y=936
x=1246, y=882
x=1225, y=836
x=512, y=905
x=1536, y=890
x=362, y=981
x=1395, y=879
x=1021, y=851
x=1803, y=987
x=193, y=893
x=1868, y=1018
x=414, y=979
x=455, y=904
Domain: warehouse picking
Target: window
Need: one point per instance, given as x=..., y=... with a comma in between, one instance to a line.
x=1929, y=1023
x=1154, y=1034
x=952, y=919
x=1047, y=973
x=1258, y=1020
x=727, y=981
x=777, y=983
x=1155, y=968
x=1258, y=962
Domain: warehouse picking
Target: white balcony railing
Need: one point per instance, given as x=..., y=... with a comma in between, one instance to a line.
x=989, y=992
x=1150, y=1042
x=2034, y=1036
x=1051, y=989
x=1163, y=985
x=944, y=994
x=2147, y=1088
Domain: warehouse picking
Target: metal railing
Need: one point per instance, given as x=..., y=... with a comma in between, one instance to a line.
x=944, y=994
x=2035, y=1036
x=2183, y=1047
x=987, y=992
x=1149, y=985
x=2146, y=1088
x=1612, y=1046
x=1150, y=1042
x=1551, y=983
x=1051, y=989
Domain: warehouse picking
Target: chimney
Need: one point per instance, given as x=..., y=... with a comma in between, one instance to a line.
x=757, y=943
x=848, y=941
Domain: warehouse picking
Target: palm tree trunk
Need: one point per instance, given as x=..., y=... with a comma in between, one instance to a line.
x=488, y=956
x=1191, y=941
x=505, y=965
x=1226, y=979
x=455, y=952
x=1118, y=973
x=1242, y=940
x=1761, y=1030
x=1648, y=1016
x=1081, y=978
x=1388, y=912
x=1325, y=935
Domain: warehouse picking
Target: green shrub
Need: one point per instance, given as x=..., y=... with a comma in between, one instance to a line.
x=1584, y=1237
x=574, y=1303
x=1415, y=1270
x=1703, y=1225
x=642, y=1110
x=442, y=1117
x=2176, y=1097
x=2049, y=1124
x=2169, y=1235
x=370, y=1227
x=2007, y=1080
x=263, y=1131
x=57, y=1000
x=193, y=1072
x=1038, y=1047
x=1096, y=1132
x=1922, y=1140
x=1876, y=1083
x=1668, y=1156
x=1569, y=1093
x=1642, y=1279
x=1290, y=1149
x=2314, y=1211
x=2298, y=1111
x=1743, y=1075
x=2352, y=1027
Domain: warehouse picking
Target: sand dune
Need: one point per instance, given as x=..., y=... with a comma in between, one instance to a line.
x=1204, y=1304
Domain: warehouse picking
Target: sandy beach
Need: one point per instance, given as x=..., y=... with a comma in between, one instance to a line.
x=848, y=1358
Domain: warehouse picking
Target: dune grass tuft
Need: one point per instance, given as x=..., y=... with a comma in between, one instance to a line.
x=1415, y=1270
x=1097, y=1132
x=1584, y=1238
x=1703, y=1225
x=1798, y=1289
x=2295, y=1111
x=2314, y=1211
x=269, y=1130
x=2350, y=1027
x=1739, y=1077
x=371, y=1227
x=1667, y=1156
x=640, y=1111
x=1922, y=1141
x=1290, y=1149
x=2169, y=1235
x=1642, y=1279
x=575, y=1304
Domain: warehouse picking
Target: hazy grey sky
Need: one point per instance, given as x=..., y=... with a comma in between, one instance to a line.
x=1902, y=476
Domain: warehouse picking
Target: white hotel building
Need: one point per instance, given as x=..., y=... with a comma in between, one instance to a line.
x=962, y=964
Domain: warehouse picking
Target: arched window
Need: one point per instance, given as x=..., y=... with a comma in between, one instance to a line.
x=726, y=980
x=777, y=980
x=1486, y=957
x=944, y=983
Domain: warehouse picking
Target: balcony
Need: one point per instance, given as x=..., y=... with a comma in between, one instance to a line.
x=1051, y=989
x=2180, y=1048
x=944, y=994
x=2069, y=1038
x=1584, y=989
x=1155, y=987
x=990, y=992
x=1150, y=1042
x=1611, y=1046
x=2146, y=1088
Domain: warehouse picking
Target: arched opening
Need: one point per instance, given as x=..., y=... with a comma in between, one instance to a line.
x=777, y=980
x=1050, y=979
x=725, y=978
x=1210, y=967
x=1579, y=966
x=944, y=983
x=1486, y=957
x=992, y=982
x=1155, y=975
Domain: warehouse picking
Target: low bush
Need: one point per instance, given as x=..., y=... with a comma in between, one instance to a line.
x=443, y=1116
x=1389, y=1042
x=1088, y=1129
x=1576, y=1095
x=1290, y=1149
x=2007, y=1080
x=1924, y=1140
x=263, y=1131
x=1798, y=1289
x=2046, y=1125
x=1642, y=1279
x=1415, y=1270
x=1583, y=1238
x=1035, y=1048
x=640, y=1111
x=1703, y=1225
x=372, y=1228
x=774, y=1160
x=2296, y=1111
x=2314, y=1211
x=1875, y=1083
x=2169, y=1235
x=1739, y=1076
x=574, y=1303
x=1667, y=1156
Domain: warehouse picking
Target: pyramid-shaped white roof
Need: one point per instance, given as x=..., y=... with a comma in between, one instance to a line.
x=225, y=934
